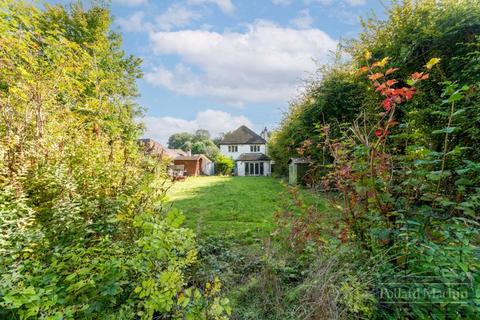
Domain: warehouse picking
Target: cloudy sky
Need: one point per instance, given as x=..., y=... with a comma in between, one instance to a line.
x=217, y=64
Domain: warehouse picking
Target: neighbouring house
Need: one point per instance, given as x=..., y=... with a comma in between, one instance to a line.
x=249, y=151
x=180, y=162
x=195, y=165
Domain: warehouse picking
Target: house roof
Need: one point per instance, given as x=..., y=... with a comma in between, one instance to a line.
x=154, y=148
x=242, y=135
x=253, y=157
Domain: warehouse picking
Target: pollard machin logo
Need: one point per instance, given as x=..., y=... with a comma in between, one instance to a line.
x=428, y=289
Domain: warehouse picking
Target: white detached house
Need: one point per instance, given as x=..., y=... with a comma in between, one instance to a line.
x=249, y=150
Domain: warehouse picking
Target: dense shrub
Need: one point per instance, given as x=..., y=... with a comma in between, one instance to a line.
x=224, y=165
x=399, y=149
x=84, y=233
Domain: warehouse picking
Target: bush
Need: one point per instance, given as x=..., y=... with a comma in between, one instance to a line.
x=84, y=232
x=224, y=165
x=401, y=159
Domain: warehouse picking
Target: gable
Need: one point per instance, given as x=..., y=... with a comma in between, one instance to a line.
x=242, y=135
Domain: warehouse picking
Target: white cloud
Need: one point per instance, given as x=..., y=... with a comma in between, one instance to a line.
x=224, y=5
x=176, y=16
x=345, y=16
x=329, y=2
x=322, y=2
x=264, y=63
x=356, y=2
x=173, y=17
x=303, y=21
x=215, y=121
x=130, y=3
x=134, y=23
x=282, y=2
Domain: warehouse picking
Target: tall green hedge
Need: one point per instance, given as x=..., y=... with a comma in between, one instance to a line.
x=83, y=234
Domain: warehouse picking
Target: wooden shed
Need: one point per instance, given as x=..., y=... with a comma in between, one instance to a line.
x=297, y=170
x=194, y=165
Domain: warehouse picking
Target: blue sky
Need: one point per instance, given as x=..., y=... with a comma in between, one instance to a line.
x=217, y=64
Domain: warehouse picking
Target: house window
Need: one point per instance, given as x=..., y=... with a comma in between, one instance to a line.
x=254, y=169
x=232, y=148
x=254, y=148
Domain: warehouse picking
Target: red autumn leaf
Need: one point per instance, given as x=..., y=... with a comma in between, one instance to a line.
x=375, y=76
x=380, y=87
x=387, y=104
x=391, y=70
x=417, y=75
x=391, y=82
x=388, y=92
x=409, y=93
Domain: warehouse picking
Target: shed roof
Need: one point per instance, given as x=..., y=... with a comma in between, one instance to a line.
x=299, y=160
x=253, y=157
x=242, y=135
x=194, y=157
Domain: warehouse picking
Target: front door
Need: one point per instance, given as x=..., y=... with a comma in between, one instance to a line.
x=254, y=169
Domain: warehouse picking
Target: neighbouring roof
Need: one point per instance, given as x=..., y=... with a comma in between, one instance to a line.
x=194, y=157
x=242, y=135
x=155, y=149
x=299, y=160
x=179, y=152
x=253, y=157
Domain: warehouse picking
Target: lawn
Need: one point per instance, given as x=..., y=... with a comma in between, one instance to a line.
x=230, y=206
x=233, y=218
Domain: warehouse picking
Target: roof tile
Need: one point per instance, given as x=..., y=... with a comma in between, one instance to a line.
x=242, y=135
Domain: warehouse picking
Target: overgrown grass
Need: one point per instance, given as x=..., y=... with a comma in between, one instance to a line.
x=239, y=240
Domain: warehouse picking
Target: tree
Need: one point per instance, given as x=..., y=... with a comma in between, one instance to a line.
x=84, y=234
x=178, y=140
x=202, y=135
x=198, y=147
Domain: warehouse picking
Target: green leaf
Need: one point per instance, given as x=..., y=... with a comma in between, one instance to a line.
x=444, y=130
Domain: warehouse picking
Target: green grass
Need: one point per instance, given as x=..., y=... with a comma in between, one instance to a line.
x=241, y=207
x=233, y=218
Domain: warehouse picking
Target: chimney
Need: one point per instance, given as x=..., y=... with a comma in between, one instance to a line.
x=264, y=134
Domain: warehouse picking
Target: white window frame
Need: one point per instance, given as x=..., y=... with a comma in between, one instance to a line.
x=232, y=148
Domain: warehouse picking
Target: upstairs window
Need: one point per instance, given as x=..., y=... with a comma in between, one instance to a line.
x=254, y=148
x=232, y=148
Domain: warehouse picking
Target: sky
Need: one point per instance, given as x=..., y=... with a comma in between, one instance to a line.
x=218, y=64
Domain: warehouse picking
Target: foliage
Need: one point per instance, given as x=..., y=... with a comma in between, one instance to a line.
x=84, y=232
x=198, y=143
x=178, y=140
x=398, y=152
x=224, y=165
